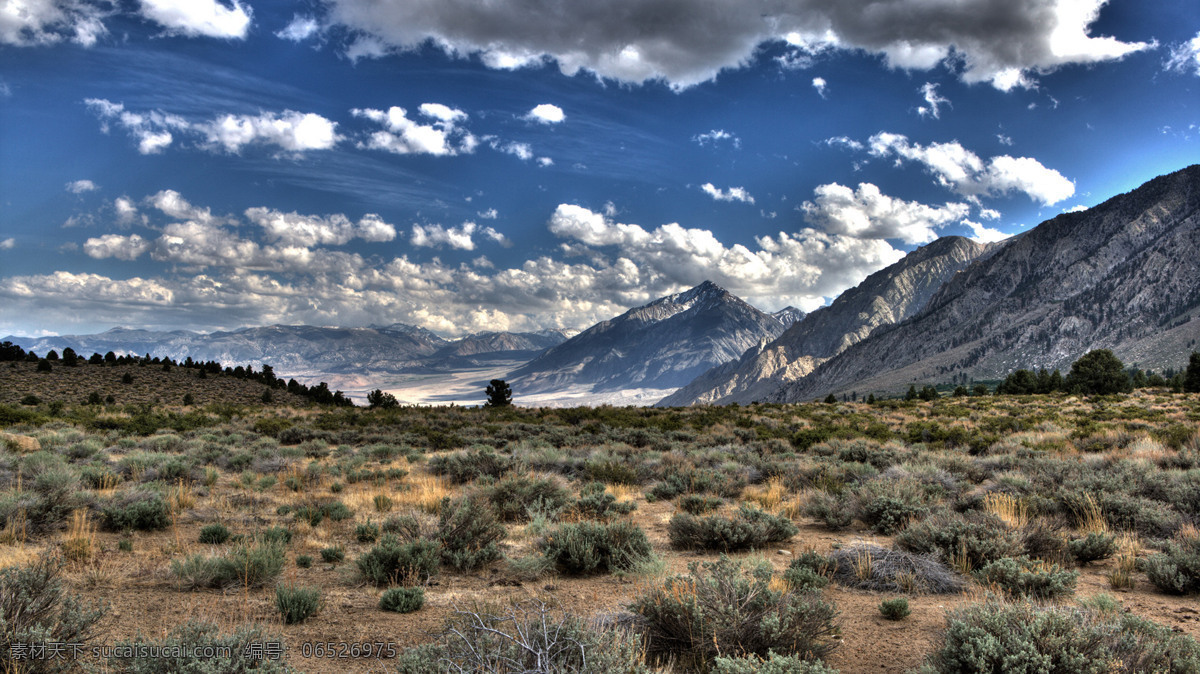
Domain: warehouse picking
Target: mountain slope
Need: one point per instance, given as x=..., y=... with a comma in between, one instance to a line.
x=663, y=344
x=885, y=297
x=1124, y=275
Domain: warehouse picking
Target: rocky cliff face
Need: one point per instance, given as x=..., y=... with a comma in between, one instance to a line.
x=1124, y=275
x=885, y=297
x=663, y=344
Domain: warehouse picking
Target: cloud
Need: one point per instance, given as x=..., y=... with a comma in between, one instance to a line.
x=155, y=130
x=294, y=229
x=215, y=273
x=489, y=214
x=81, y=186
x=522, y=151
x=1005, y=42
x=28, y=23
x=820, y=84
x=545, y=161
x=299, y=29
x=127, y=211
x=981, y=234
x=933, y=101
x=1185, y=57
x=460, y=238
x=867, y=213
x=120, y=247
x=731, y=194
x=172, y=204
x=290, y=130
x=546, y=114
x=152, y=130
x=964, y=172
x=200, y=18
x=443, y=137
x=8, y=244
x=717, y=136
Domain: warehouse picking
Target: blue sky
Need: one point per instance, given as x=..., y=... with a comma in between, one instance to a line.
x=528, y=164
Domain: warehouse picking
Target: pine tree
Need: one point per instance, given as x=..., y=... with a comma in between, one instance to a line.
x=499, y=394
x=831, y=399
x=1098, y=372
x=912, y=393
x=1191, y=380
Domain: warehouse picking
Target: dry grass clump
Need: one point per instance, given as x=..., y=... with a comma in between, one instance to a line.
x=871, y=567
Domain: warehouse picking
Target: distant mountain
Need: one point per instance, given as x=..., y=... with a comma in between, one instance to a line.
x=661, y=345
x=1124, y=275
x=789, y=316
x=493, y=342
x=308, y=350
x=885, y=297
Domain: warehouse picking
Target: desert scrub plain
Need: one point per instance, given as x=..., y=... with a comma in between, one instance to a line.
x=1044, y=533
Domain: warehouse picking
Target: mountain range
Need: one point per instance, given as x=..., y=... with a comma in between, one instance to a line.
x=885, y=297
x=1124, y=275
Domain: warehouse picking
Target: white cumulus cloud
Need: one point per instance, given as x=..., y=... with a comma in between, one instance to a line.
x=8, y=244
x=867, y=213
x=964, y=172
x=113, y=245
x=402, y=135
x=26, y=23
x=461, y=237
x=1004, y=42
x=546, y=113
x=731, y=194
x=820, y=84
x=717, y=136
x=200, y=18
x=294, y=229
x=155, y=130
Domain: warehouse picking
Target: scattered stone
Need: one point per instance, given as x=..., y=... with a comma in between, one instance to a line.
x=20, y=443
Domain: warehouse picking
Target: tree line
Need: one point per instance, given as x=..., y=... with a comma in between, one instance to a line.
x=319, y=394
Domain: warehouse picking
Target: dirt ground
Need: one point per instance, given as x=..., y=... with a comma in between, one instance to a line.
x=143, y=596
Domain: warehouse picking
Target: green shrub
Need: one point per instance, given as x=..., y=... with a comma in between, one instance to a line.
x=809, y=571
x=394, y=563
x=280, y=535
x=35, y=607
x=141, y=510
x=334, y=554
x=469, y=533
x=999, y=637
x=402, y=599
x=304, y=561
x=834, y=510
x=367, y=532
x=723, y=609
x=1093, y=547
x=596, y=503
x=748, y=528
x=894, y=609
x=296, y=604
x=245, y=565
x=512, y=496
x=214, y=534
x=592, y=547
x=698, y=504
x=773, y=664
x=971, y=540
x=463, y=467
x=234, y=652
x=1177, y=569
x=888, y=506
x=1028, y=578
